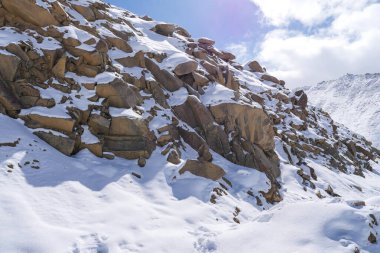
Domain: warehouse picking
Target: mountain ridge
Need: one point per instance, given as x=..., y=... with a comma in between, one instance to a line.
x=123, y=134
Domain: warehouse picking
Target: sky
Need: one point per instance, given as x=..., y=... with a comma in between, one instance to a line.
x=301, y=41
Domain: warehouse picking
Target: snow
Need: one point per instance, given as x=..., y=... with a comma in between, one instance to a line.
x=353, y=100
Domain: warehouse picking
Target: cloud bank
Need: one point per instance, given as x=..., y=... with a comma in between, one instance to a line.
x=311, y=41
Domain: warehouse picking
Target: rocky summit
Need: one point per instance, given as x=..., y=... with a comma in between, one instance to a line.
x=115, y=127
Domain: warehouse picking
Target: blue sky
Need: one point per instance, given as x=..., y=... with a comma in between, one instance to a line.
x=226, y=21
x=300, y=41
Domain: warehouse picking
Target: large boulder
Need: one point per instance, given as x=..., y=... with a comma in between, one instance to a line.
x=31, y=12
x=169, y=30
x=119, y=94
x=8, y=100
x=129, y=147
x=251, y=123
x=195, y=114
x=186, y=68
x=40, y=121
x=255, y=67
x=203, y=169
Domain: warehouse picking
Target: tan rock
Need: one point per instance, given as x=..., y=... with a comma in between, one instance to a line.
x=267, y=77
x=199, y=79
x=8, y=100
x=186, y=68
x=252, y=123
x=59, y=124
x=119, y=94
x=16, y=50
x=164, y=77
x=99, y=125
x=9, y=65
x=203, y=169
x=255, y=67
x=128, y=147
x=206, y=41
x=93, y=58
x=173, y=157
x=86, y=12
x=29, y=11
x=59, y=68
x=64, y=145
x=137, y=60
x=119, y=44
x=87, y=70
x=214, y=71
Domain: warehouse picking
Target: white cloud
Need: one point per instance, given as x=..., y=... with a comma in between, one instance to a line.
x=240, y=50
x=350, y=43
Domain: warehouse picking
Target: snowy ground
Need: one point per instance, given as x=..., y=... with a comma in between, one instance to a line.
x=87, y=204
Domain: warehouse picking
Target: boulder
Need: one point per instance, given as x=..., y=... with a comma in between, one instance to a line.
x=206, y=41
x=119, y=44
x=213, y=71
x=93, y=58
x=135, y=61
x=186, y=68
x=125, y=126
x=9, y=65
x=8, y=100
x=270, y=78
x=86, y=12
x=194, y=113
x=164, y=77
x=119, y=94
x=301, y=99
x=129, y=147
x=29, y=11
x=39, y=121
x=251, y=123
x=203, y=169
x=63, y=144
x=169, y=30
x=59, y=68
x=16, y=50
x=255, y=67
x=199, y=79
x=87, y=70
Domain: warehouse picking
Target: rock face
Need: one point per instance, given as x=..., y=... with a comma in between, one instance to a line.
x=30, y=12
x=110, y=82
x=203, y=169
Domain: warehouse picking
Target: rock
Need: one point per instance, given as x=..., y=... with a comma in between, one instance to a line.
x=137, y=60
x=65, y=125
x=372, y=238
x=128, y=147
x=93, y=58
x=59, y=68
x=301, y=99
x=199, y=79
x=227, y=56
x=16, y=50
x=119, y=44
x=270, y=78
x=194, y=113
x=141, y=162
x=173, y=157
x=8, y=99
x=87, y=70
x=125, y=126
x=169, y=30
x=164, y=77
x=95, y=148
x=203, y=169
x=186, y=68
x=252, y=123
x=214, y=71
x=99, y=125
x=204, y=154
x=119, y=94
x=255, y=67
x=86, y=12
x=206, y=41
x=9, y=65
x=29, y=11
x=65, y=145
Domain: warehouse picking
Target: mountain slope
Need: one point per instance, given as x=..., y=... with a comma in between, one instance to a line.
x=353, y=100
x=123, y=134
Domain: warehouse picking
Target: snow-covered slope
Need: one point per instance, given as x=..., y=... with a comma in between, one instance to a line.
x=353, y=100
x=123, y=134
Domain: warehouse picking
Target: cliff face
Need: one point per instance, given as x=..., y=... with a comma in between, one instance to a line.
x=84, y=76
x=352, y=100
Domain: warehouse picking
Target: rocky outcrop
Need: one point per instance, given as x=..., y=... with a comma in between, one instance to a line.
x=203, y=169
